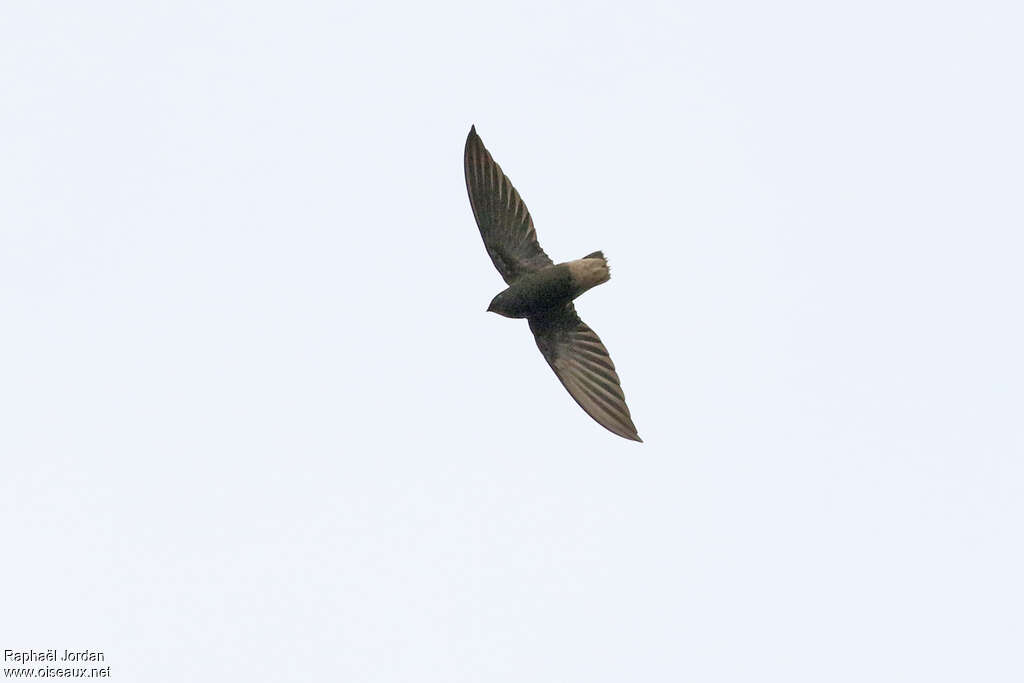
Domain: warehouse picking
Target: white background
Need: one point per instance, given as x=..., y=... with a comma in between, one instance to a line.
x=256, y=424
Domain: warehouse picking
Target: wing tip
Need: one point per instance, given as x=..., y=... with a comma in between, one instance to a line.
x=626, y=432
x=474, y=144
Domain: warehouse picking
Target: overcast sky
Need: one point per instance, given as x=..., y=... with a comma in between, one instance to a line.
x=256, y=425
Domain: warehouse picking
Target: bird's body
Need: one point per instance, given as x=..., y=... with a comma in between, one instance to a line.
x=551, y=287
x=543, y=292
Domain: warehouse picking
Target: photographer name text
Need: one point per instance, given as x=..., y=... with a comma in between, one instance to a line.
x=25, y=656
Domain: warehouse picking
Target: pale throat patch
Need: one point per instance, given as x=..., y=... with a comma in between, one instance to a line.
x=588, y=272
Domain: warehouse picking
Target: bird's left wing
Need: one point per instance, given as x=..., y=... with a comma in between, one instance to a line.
x=504, y=222
x=584, y=367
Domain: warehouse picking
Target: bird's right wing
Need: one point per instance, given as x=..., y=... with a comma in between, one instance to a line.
x=504, y=222
x=584, y=367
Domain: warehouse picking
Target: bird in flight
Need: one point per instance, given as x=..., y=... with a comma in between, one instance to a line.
x=543, y=292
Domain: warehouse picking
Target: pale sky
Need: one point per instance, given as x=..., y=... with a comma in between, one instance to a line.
x=256, y=425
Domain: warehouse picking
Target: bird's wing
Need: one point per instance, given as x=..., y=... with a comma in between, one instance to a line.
x=584, y=367
x=502, y=217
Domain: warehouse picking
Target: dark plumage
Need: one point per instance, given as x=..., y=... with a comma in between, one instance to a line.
x=543, y=292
